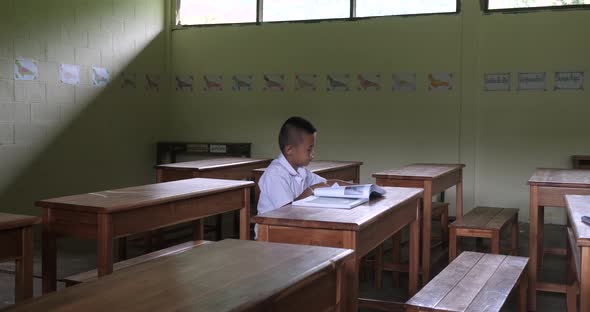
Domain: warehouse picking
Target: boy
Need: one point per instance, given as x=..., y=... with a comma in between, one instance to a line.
x=287, y=178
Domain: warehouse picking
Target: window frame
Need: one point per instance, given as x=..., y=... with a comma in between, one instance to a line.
x=260, y=6
x=485, y=4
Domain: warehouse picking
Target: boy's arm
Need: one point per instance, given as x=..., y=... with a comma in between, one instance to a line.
x=277, y=191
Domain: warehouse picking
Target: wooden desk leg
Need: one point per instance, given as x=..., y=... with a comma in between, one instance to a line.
x=198, y=230
x=522, y=290
x=426, y=231
x=540, y=238
x=357, y=179
x=105, y=245
x=378, y=267
x=585, y=280
x=514, y=236
x=571, y=293
x=495, y=242
x=532, y=266
x=414, y=255
x=49, y=254
x=24, y=266
x=245, y=216
x=351, y=273
x=452, y=244
x=396, y=253
x=459, y=200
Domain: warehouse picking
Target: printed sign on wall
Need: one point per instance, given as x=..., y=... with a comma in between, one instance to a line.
x=404, y=82
x=531, y=81
x=569, y=80
x=338, y=82
x=497, y=81
x=25, y=69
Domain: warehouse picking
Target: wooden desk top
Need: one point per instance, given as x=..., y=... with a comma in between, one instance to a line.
x=141, y=196
x=10, y=221
x=578, y=206
x=561, y=177
x=419, y=171
x=231, y=275
x=353, y=219
x=319, y=166
x=216, y=163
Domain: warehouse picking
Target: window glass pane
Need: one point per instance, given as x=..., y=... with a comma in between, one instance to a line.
x=365, y=8
x=201, y=12
x=296, y=10
x=512, y=4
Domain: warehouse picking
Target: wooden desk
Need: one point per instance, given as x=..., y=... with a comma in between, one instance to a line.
x=581, y=162
x=103, y=216
x=327, y=169
x=16, y=243
x=362, y=229
x=433, y=178
x=547, y=188
x=230, y=275
x=578, y=206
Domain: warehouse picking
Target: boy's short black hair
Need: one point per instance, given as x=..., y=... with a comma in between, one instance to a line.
x=292, y=129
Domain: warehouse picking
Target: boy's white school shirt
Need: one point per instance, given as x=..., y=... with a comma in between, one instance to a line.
x=281, y=184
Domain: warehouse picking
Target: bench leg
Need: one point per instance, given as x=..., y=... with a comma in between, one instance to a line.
x=198, y=230
x=444, y=226
x=378, y=266
x=24, y=267
x=452, y=244
x=571, y=292
x=396, y=254
x=495, y=243
x=515, y=236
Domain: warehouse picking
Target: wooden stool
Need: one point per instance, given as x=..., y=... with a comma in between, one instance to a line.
x=440, y=211
x=485, y=222
x=474, y=282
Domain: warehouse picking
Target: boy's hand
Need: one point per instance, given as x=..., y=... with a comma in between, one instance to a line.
x=309, y=191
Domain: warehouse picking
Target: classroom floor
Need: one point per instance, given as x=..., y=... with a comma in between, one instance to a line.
x=79, y=256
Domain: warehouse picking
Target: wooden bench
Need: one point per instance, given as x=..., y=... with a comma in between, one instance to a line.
x=485, y=222
x=92, y=275
x=474, y=282
x=440, y=212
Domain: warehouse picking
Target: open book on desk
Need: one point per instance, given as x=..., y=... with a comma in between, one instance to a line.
x=340, y=197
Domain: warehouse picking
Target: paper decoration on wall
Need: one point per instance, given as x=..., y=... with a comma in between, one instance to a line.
x=128, y=81
x=440, y=81
x=531, y=81
x=404, y=82
x=100, y=76
x=307, y=82
x=25, y=69
x=274, y=82
x=497, y=81
x=213, y=82
x=69, y=74
x=242, y=82
x=338, y=82
x=152, y=82
x=185, y=83
x=369, y=82
x=569, y=80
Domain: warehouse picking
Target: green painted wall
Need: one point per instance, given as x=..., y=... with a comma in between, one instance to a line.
x=501, y=137
x=57, y=139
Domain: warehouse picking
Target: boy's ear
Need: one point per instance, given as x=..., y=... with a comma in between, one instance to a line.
x=289, y=149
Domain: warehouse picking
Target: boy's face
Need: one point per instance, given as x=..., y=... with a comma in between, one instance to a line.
x=301, y=154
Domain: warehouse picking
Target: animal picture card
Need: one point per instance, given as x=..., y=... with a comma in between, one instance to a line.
x=25, y=69
x=497, y=81
x=213, y=82
x=404, y=82
x=128, y=81
x=242, y=82
x=569, y=80
x=100, y=76
x=152, y=82
x=69, y=74
x=440, y=81
x=184, y=83
x=369, y=81
x=274, y=82
x=338, y=82
x=531, y=81
x=306, y=82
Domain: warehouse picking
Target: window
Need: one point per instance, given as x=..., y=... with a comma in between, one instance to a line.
x=365, y=8
x=519, y=4
x=298, y=10
x=210, y=12
x=203, y=12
